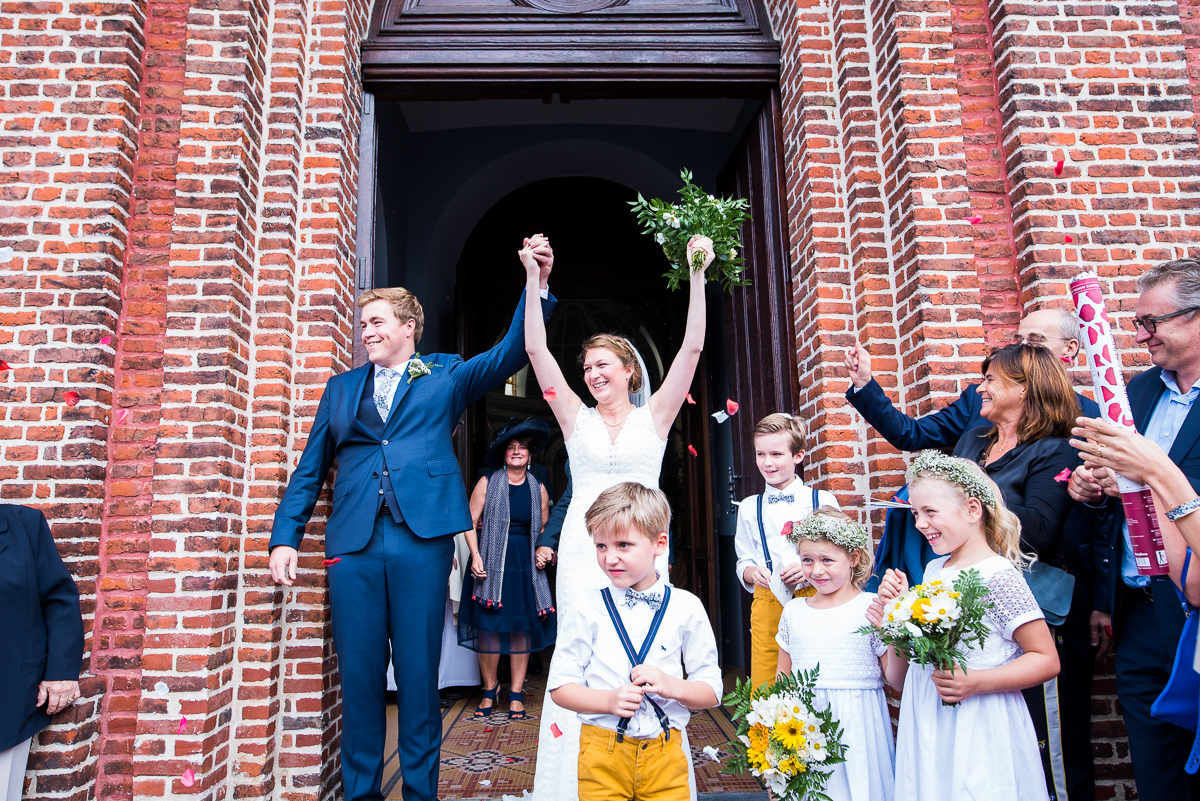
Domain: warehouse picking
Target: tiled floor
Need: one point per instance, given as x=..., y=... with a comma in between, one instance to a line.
x=503, y=753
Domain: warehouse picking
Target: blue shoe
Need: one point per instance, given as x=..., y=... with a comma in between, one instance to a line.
x=482, y=711
x=516, y=698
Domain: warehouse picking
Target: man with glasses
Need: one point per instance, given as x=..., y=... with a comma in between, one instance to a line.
x=1146, y=616
x=1057, y=330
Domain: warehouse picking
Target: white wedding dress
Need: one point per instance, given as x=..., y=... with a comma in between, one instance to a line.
x=597, y=463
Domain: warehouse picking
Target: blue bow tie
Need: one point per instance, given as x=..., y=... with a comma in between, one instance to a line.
x=780, y=498
x=651, y=599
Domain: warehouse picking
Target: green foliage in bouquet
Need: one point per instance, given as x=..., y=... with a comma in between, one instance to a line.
x=673, y=224
x=782, y=739
x=933, y=624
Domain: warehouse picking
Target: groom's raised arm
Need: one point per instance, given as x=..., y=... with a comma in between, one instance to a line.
x=480, y=374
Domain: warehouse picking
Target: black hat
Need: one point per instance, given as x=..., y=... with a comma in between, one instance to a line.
x=537, y=430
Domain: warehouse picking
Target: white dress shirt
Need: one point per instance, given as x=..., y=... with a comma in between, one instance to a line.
x=589, y=652
x=748, y=544
x=402, y=369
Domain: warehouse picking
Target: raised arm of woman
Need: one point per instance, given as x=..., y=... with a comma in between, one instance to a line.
x=665, y=403
x=563, y=402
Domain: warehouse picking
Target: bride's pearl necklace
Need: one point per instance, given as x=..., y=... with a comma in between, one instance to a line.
x=619, y=422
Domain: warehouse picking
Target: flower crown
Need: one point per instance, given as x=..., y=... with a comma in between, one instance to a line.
x=844, y=533
x=957, y=471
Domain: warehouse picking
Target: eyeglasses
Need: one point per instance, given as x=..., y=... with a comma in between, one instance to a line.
x=1036, y=340
x=1151, y=323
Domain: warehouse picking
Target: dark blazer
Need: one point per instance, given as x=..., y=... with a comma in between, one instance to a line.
x=553, y=529
x=1144, y=392
x=44, y=629
x=415, y=442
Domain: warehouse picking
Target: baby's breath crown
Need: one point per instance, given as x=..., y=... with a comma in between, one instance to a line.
x=957, y=471
x=844, y=533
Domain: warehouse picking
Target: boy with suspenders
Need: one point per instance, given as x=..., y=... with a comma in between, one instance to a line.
x=763, y=552
x=621, y=654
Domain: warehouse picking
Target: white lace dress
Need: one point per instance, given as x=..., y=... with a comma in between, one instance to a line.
x=597, y=463
x=851, y=683
x=984, y=748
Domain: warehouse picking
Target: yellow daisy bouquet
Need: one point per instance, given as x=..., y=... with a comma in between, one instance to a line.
x=933, y=623
x=783, y=739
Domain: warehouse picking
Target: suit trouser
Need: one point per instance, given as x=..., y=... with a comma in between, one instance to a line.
x=394, y=588
x=1147, y=636
x=1077, y=658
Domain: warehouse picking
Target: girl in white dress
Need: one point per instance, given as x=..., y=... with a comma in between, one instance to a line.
x=821, y=630
x=984, y=747
x=612, y=442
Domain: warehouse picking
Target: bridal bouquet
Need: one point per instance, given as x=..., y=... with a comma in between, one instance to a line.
x=782, y=739
x=697, y=213
x=932, y=622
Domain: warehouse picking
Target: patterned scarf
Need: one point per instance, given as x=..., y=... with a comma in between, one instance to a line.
x=493, y=542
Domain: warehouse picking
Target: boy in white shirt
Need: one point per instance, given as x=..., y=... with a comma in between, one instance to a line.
x=767, y=564
x=621, y=655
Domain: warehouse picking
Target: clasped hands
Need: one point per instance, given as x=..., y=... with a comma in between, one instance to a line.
x=541, y=557
x=792, y=576
x=538, y=257
x=624, y=701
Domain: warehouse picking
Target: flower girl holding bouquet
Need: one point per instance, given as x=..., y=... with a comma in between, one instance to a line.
x=966, y=732
x=821, y=630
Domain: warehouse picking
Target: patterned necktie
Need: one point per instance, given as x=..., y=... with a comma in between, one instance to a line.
x=780, y=498
x=651, y=599
x=384, y=381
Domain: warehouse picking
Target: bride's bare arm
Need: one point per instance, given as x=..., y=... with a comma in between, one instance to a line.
x=565, y=404
x=665, y=403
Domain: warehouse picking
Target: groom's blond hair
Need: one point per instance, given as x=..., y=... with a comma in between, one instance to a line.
x=629, y=505
x=404, y=304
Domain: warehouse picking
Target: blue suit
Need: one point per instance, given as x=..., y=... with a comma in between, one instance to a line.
x=1147, y=626
x=391, y=579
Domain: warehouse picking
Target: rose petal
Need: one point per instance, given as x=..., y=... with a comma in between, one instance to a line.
x=188, y=778
x=1069, y=239
x=712, y=753
x=161, y=688
x=71, y=398
x=121, y=415
x=720, y=416
x=6, y=254
x=1058, y=168
x=328, y=562
x=787, y=529
x=550, y=394
x=692, y=450
x=1064, y=475
x=975, y=220
x=105, y=340
x=485, y=782
x=557, y=732
x=731, y=406
x=4, y=365
x=689, y=399
x=182, y=725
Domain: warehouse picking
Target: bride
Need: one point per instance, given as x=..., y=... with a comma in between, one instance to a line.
x=612, y=442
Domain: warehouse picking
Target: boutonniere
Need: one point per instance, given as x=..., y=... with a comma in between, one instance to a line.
x=418, y=368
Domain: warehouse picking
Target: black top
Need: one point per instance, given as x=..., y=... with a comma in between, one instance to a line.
x=1025, y=476
x=520, y=513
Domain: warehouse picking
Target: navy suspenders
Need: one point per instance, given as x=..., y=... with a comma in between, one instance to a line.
x=637, y=657
x=762, y=530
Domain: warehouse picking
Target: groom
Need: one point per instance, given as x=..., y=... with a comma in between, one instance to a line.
x=398, y=499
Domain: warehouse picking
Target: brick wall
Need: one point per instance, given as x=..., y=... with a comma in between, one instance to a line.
x=180, y=177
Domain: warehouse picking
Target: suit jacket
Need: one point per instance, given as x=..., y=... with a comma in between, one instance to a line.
x=553, y=530
x=44, y=629
x=416, y=444
x=1144, y=391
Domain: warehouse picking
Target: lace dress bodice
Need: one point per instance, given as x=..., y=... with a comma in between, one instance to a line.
x=1013, y=607
x=849, y=661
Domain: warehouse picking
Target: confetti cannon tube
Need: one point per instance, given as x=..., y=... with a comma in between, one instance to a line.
x=1105, y=364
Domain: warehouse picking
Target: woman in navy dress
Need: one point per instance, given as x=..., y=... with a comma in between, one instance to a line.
x=506, y=606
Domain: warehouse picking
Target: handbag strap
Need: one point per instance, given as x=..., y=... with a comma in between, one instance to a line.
x=637, y=657
x=762, y=535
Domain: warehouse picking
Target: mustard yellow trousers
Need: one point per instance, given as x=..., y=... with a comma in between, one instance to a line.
x=650, y=769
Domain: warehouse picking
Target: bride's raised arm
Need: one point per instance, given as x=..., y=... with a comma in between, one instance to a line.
x=665, y=403
x=563, y=402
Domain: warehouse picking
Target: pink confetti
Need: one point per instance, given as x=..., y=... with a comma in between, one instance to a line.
x=328, y=562
x=71, y=398
x=1058, y=168
x=557, y=732
x=550, y=394
x=975, y=220
x=106, y=340
x=188, y=778
x=121, y=415
x=182, y=725
x=1065, y=475
x=690, y=399
x=731, y=406
x=692, y=450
